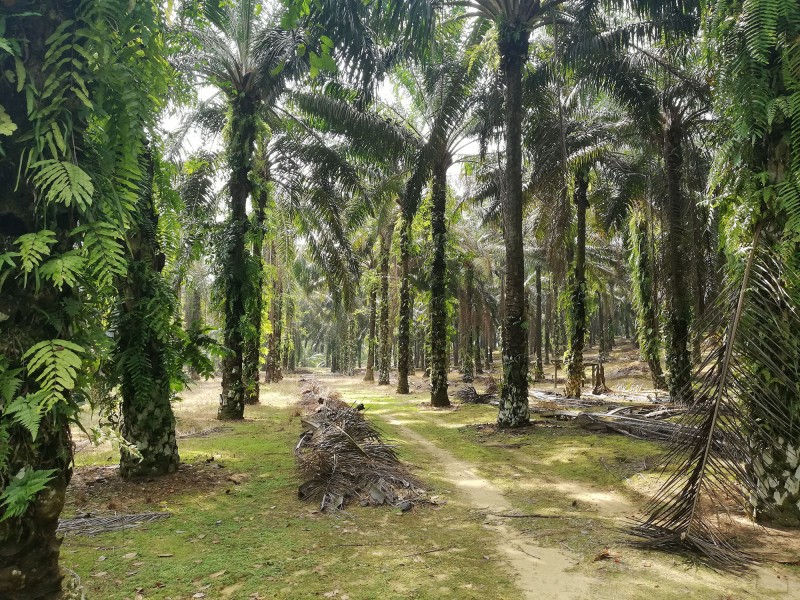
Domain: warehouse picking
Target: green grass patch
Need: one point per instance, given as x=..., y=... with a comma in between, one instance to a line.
x=257, y=538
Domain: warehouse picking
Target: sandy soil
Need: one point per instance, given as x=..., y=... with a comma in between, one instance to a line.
x=541, y=572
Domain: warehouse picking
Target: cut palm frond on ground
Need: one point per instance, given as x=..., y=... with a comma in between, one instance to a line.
x=342, y=457
x=741, y=397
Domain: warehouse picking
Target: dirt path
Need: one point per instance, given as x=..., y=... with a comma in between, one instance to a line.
x=541, y=572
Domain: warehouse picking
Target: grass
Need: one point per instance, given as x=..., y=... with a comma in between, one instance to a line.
x=255, y=539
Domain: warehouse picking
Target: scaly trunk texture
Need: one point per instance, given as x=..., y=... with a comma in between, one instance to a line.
x=467, y=318
x=287, y=330
x=29, y=545
x=578, y=306
x=678, y=291
x=404, y=325
x=538, y=372
x=411, y=333
x=235, y=282
x=384, y=365
x=255, y=304
x=647, y=330
x=514, y=411
x=140, y=354
x=272, y=366
x=373, y=309
x=477, y=325
x=438, y=309
x=548, y=327
x=602, y=351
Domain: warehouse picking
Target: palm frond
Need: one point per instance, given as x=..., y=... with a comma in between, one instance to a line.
x=738, y=422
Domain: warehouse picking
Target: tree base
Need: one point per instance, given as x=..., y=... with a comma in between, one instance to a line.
x=439, y=398
x=29, y=549
x=163, y=463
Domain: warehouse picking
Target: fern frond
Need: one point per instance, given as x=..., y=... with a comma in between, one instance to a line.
x=64, y=183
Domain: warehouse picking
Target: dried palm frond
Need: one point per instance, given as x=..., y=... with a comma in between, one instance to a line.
x=742, y=395
x=341, y=456
x=314, y=395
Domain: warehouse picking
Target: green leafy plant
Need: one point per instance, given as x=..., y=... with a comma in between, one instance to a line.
x=24, y=486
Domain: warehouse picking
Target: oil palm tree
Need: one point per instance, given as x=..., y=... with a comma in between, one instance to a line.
x=71, y=176
x=515, y=20
x=243, y=55
x=441, y=97
x=665, y=87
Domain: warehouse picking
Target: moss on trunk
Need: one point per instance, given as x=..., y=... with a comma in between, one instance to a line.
x=578, y=298
x=438, y=308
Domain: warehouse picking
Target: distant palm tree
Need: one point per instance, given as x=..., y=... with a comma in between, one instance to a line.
x=442, y=96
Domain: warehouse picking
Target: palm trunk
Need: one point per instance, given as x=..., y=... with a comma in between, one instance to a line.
x=373, y=308
x=578, y=306
x=240, y=152
x=678, y=293
x=514, y=411
x=255, y=305
x=404, y=325
x=468, y=315
x=29, y=544
x=548, y=328
x=602, y=351
x=287, y=331
x=272, y=366
x=611, y=312
x=141, y=356
x=438, y=310
x=384, y=366
x=538, y=373
x=647, y=329
x=477, y=325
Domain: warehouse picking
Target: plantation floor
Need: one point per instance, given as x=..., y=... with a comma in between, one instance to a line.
x=237, y=529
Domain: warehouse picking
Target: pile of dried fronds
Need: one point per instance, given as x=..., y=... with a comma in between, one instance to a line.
x=314, y=395
x=469, y=395
x=341, y=457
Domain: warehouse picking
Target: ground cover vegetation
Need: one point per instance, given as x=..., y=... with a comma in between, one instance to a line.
x=467, y=199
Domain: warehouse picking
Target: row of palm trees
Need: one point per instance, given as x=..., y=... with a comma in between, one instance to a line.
x=599, y=131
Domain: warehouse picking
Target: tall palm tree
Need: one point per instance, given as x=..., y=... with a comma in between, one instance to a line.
x=240, y=53
x=73, y=156
x=441, y=96
x=666, y=88
x=515, y=20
